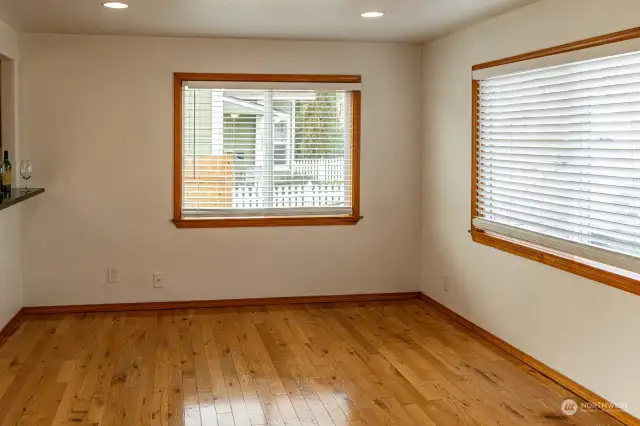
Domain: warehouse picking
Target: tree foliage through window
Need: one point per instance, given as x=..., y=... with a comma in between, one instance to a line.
x=319, y=129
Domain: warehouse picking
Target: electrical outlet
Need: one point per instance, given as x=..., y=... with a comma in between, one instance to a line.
x=112, y=275
x=446, y=283
x=157, y=280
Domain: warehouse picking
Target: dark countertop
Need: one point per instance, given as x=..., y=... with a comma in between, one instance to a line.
x=19, y=195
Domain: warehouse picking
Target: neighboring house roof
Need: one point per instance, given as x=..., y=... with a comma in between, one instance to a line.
x=253, y=106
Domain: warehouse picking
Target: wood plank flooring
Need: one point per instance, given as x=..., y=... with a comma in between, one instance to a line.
x=378, y=363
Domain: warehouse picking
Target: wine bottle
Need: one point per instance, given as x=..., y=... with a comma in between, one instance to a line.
x=6, y=176
x=1, y=180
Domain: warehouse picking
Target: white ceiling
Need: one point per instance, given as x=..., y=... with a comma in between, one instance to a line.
x=405, y=20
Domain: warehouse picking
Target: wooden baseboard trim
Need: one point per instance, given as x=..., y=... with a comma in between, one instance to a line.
x=543, y=369
x=11, y=326
x=147, y=306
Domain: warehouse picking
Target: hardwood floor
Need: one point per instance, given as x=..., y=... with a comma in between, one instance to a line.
x=377, y=363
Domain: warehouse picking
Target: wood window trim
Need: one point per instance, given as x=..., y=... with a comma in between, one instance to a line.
x=576, y=267
x=564, y=48
x=233, y=222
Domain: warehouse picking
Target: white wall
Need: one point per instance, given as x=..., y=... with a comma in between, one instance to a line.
x=8, y=41
x=10, y=264
x=584, y=329
x=10, y=241
x=97, y=123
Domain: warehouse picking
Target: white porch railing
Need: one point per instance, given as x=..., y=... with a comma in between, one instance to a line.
x=291, y=196
x=322, y=169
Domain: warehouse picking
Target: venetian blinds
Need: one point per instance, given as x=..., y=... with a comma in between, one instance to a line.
x=266, y=149
x=559, y=158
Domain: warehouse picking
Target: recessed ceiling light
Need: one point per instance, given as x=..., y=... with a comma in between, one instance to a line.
x=115, y=5
x=372, y=14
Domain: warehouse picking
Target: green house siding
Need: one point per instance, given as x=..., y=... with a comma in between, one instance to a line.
x=239, y=140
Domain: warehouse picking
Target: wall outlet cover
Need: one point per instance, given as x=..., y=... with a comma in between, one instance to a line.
x=157, y=280
x=446, y=283
x=112, y=275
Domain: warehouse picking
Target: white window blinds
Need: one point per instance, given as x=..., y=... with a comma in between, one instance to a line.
x=559, y=158
x=266, y=149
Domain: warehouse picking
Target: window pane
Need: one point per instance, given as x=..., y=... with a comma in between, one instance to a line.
x=280, y=154
x=260, y=151
x=559, y=152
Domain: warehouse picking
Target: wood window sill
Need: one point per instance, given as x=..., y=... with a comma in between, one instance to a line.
x=617, y=280
x=240, y=222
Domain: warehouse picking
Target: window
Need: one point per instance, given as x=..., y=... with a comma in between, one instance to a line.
x=281, y=144
x=266, y=150
x=557, y=159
